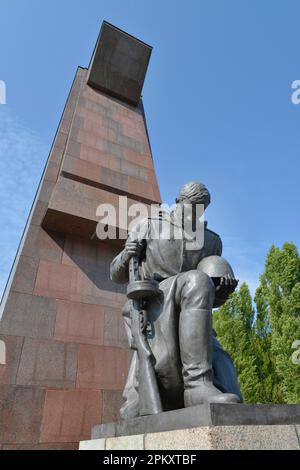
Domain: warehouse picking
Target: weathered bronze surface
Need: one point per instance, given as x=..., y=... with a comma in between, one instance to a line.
x=191, y=368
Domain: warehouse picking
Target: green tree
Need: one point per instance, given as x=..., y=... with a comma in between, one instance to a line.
x=260, y=339
x=233, y=323
x=278, y=305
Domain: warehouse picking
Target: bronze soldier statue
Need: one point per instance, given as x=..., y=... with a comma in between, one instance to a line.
x=190, y=365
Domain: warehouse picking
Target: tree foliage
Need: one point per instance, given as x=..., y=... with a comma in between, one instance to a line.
x=260, y=334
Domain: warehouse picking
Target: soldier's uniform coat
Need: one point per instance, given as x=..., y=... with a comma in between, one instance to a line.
x=168, y=259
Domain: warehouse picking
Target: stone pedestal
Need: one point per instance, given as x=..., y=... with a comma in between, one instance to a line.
x=204, y=427
x=268, y=437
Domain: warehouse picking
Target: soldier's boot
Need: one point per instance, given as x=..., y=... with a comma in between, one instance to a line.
x=195, y=338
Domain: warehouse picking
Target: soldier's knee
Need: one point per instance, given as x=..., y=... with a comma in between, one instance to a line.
x=200, y=286
x=198, y=279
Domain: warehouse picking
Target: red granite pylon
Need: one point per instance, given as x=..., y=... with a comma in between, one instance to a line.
x=67, y=355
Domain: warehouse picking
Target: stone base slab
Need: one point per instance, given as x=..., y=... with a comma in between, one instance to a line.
x=255, y=437
x=202, y=415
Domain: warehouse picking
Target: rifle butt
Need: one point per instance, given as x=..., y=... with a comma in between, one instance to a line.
x=149, y=396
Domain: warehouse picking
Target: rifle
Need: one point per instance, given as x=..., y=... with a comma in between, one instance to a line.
x=139, y=291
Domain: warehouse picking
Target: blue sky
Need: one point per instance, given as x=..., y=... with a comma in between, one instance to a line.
x=217, y=97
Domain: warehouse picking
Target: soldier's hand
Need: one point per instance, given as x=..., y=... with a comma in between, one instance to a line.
x=227, y=285
x=132, y=248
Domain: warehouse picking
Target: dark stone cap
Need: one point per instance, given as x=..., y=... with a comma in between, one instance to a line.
x=119, y=64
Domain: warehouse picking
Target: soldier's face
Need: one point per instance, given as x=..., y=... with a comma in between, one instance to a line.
x=184, y=212
x=188, y=214
x=178, y=213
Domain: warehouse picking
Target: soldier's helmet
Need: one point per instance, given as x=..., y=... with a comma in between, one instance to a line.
x=216, y=267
